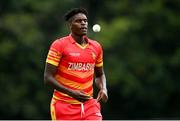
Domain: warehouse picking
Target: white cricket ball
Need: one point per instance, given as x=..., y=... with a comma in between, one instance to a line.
x=96, y=28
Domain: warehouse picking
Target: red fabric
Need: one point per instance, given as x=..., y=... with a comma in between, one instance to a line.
x=75, y=64
x=66, y=111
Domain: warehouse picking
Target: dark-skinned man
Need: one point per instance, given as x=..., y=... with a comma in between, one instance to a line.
x=71, y=64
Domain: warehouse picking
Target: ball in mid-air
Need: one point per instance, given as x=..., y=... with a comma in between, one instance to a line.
x=96, y=28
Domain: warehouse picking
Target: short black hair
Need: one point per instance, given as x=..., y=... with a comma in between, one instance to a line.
x=73, y=12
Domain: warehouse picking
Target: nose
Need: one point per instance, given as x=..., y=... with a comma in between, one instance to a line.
x=83, y=22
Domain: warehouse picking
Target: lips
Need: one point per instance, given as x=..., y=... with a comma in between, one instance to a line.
x=83, y=28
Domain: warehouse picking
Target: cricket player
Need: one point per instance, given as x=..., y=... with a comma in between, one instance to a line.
x=72, y=63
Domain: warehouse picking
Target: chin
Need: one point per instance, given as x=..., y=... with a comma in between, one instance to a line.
x=83, y=34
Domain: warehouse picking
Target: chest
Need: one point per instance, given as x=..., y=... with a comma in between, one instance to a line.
x=75, y=53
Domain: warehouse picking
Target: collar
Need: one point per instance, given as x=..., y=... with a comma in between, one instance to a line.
x=73, y=41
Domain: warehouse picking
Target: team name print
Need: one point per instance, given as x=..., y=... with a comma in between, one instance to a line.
x=81, y=66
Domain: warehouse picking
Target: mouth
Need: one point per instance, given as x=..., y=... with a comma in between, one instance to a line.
x=83, y=28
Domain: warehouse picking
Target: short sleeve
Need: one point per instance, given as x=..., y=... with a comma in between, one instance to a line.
x=55, y=53
x=99, y=61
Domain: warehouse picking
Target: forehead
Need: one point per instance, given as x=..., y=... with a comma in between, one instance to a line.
x=79, y=16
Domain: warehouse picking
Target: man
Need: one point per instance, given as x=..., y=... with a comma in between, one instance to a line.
x=70, y=67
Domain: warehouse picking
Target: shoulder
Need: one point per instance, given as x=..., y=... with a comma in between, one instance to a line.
x=59, y=44
x=94, y=43
x=60, y=41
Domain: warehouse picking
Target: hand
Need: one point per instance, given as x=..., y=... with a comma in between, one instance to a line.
x=80, y=96
x=102, y=95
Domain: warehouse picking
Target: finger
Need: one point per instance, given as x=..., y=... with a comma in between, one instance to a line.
x=85, y=96
x=99, y=97
x=105, y=97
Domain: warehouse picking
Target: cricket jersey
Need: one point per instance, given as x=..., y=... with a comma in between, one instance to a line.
x=75, y=65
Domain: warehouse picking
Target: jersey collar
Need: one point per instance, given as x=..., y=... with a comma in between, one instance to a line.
x=73, y=41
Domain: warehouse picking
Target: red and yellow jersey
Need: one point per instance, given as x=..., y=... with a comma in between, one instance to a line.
x=75, y=65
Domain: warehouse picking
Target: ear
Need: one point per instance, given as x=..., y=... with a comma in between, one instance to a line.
x=70, y=24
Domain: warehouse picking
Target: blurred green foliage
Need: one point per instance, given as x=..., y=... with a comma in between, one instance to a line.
x=141, y=55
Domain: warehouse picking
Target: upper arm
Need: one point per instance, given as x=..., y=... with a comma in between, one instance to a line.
x=53, y=59
x=50, y=69
x=99, y=61
x=49, y=72
x=99, y=71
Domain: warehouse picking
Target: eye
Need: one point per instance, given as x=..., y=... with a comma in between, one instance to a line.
x=78, y=20
x=85, y=20
x=81, y=20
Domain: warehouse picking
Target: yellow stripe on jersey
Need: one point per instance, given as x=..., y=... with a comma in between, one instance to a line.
x=99, y=64
x=99, y=60
x=52, y=109
x=74, y=84
x=68, y=101
x=53, y=54
x=83, y=47
x=65, y=95
x=52, y=62
x=71, y=101
x=53, y=57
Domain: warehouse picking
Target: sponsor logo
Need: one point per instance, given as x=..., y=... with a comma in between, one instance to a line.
x=74, y=54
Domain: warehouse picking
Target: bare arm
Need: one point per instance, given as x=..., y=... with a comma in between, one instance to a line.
x=101, y=84
x=49, y=72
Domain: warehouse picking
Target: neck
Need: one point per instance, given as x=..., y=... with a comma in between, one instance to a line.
x=79, y=39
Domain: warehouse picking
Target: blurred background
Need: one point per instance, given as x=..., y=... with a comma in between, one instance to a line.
x=141, y=46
